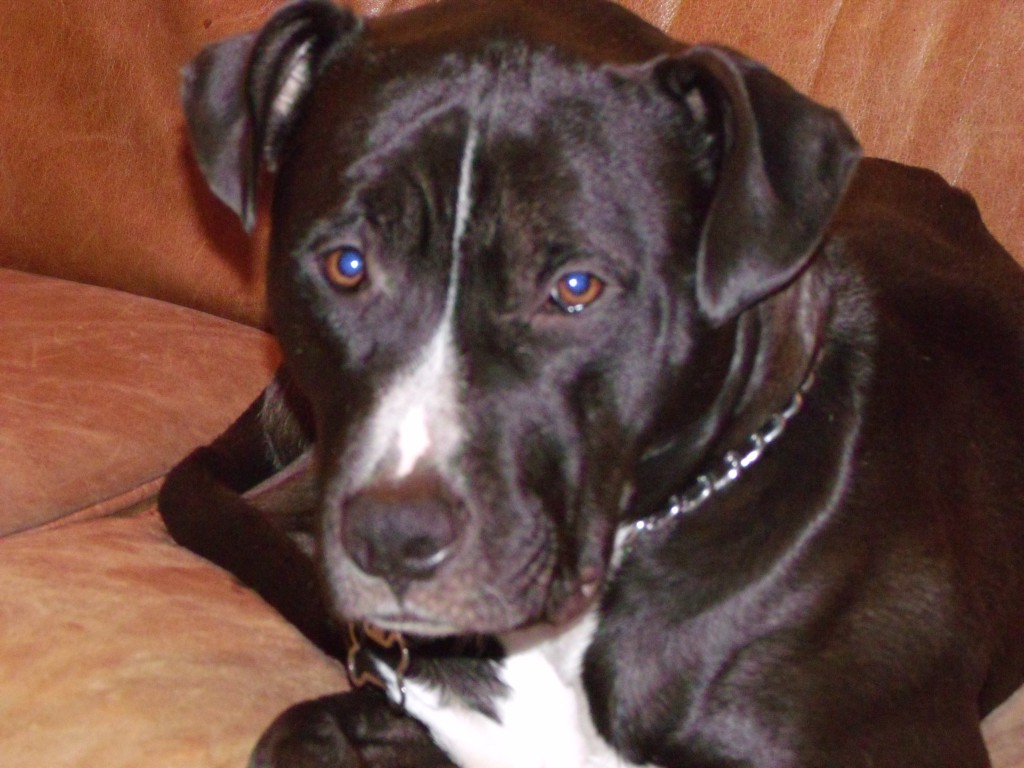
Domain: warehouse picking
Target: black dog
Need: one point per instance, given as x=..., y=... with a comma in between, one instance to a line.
x=627, y=415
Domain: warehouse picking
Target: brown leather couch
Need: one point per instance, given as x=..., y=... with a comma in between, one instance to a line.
x=130, y=309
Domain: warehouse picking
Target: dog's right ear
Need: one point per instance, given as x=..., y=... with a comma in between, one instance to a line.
x=243, y=94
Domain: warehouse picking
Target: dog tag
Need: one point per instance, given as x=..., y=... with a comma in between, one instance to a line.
x=370, y=647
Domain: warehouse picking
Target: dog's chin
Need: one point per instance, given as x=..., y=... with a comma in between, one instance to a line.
x=577, y=599
x=411, y=625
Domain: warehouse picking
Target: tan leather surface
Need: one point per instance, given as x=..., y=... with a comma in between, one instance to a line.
x=1004, y=733
x=96, y=183
x=119, y=649
x=101, y=391
x=95, y=180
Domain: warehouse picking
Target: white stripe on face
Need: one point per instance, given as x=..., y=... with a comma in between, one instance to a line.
x=463, y=208
x=418, y=416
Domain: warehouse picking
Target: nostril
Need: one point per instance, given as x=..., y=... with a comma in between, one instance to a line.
x=400, y=532
x=424, y=555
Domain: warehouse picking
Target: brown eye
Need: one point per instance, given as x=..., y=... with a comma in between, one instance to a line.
x=575, y=291
x=345, y=267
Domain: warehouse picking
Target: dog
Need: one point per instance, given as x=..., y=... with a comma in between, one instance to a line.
x=627, y=415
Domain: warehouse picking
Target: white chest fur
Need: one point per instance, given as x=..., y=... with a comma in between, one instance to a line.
x=544, y=721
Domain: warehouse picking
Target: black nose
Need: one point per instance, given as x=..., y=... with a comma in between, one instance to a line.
x=401, y=531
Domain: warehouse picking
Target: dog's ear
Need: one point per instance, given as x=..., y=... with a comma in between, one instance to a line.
x=241, y=95
x=783, y=163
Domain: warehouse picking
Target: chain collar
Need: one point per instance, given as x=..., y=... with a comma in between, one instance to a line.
x=729, y=469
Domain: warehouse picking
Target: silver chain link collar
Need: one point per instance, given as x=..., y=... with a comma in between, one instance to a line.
x=730, y=468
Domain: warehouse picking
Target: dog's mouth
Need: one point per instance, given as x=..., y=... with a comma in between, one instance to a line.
x=480, y=589
x=412, y=624
x=415, y=623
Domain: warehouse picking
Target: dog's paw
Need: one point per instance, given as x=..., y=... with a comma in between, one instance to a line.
x=307, y=735
x=361, y=729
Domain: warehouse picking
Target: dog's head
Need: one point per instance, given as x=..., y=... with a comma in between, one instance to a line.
x=503, y=233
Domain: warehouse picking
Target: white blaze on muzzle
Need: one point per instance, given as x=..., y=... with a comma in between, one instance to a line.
x=417, y=419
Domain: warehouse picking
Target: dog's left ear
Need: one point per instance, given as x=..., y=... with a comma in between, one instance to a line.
x=784, y=162
x=243, y=94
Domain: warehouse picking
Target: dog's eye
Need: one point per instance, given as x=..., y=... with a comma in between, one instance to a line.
x=345, y=267
x=575, y=291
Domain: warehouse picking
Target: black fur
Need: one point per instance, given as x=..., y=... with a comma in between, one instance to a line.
x=855, y=598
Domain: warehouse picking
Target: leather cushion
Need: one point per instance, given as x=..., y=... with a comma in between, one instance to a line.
x=102, y=392
x=120, y=649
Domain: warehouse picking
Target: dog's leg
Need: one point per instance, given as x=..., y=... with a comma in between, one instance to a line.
x=348, y=730
x=202, y=507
